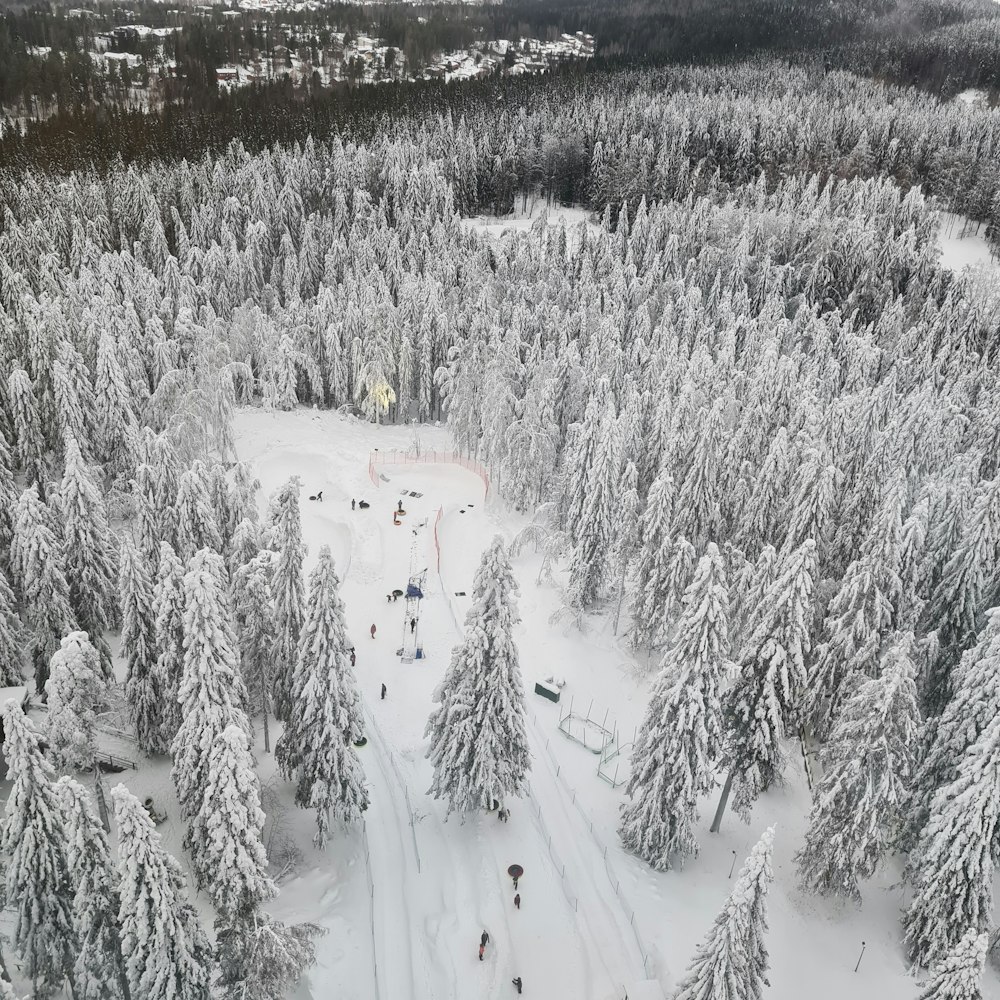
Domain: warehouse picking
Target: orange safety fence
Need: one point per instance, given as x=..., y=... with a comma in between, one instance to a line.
x=394, y=457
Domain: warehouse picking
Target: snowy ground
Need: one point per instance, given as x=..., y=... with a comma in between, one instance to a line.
x=963, y=245
x=525, y=215
x=591, y=916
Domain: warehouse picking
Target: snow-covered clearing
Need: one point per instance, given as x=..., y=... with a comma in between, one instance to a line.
x=963, y=244
x=590, y=913
x=521, y=220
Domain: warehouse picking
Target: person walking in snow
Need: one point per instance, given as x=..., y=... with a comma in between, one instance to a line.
x=413, y=625
x=515, y=883
x=373, y=631
x=353, y=504
x=482, y=948
x=399, y=508
x=485, y=939
x=517, y=901
x=383, y=692
x=517, y=984
x=353, y=658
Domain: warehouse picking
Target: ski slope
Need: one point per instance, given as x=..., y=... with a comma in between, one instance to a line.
x=405, y=899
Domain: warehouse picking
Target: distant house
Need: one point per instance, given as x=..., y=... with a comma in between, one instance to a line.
x=19, y=695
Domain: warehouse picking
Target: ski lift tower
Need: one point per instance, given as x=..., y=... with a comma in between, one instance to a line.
x=412, y=649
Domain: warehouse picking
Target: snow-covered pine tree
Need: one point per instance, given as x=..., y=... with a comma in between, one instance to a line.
x=33, y=846
x=90, y=553
x=858, y=803
x=254, y=607
x=952, y=865
x=76, y=690
x=316, y=749
x=212, y=694
x=37, y=567
x=29, y=436
x=232, y=865
x=142, y=689
x=763, y=702
x=244, y=545
x=115, y=419
x=731, y=963
x=167, y=955
x=8, y=499
x=652, y=571
x=681, y=734
x=595, y=533
x=959, y=974
x=196, y=521
x=478, y=744
x=963, y=593
x=99, y=971
x=860, y=616
x=288, y=587
x=168, y=608
x=261, y=959
x=11, y=638
x=946, y=738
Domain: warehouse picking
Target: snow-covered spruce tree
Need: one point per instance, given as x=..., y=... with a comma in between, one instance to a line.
x=142, y=690
x=8, y=500
x=731, y=963
x=167, y=955
x=762, y=704
x=652, y=571
x=947, y=737
x=212, y=694
x=29, y=437
x=196, y=521
x=681, y=734
x=244, y=546
x=36, y=563
x=288, y=587
x=316, y=749
x=76, y=691
x=99, y=971
x=858, y=804
x=260, y=958
x=33, y=847
x=959, y=975
x=860, y=616
x=73, y=398
x=168, y=607
x=11, y=638
x=596, y=531
x=478, y=744
x=964, y=591
x=952, y=865
x=114, y=437
x=90, y=553
x=254, y=607
x=232, y=864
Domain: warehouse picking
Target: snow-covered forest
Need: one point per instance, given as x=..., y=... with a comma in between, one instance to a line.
x=743, y=411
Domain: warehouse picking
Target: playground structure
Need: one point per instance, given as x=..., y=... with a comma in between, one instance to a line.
x=586, y=731
x=614, y=766
x=395, y=457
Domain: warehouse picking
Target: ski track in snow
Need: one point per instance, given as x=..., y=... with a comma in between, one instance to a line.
x=388, y=852
x=602, y=914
